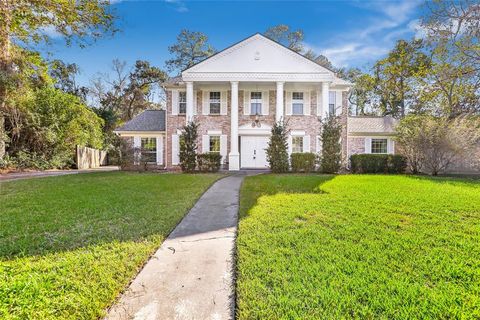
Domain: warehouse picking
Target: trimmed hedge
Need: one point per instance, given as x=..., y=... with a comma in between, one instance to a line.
x=303, y=162
x=378, y=163
x=209, y=162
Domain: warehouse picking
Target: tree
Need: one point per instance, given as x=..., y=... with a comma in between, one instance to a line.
x=331, y=158
x=188, y=147
x=283, y=34
x=24, y=22
x=277, y=149
x=191, y=47
x=320, y=59
x=396, y=76
x=452, y=37
x=362, y=97
x=64, y=75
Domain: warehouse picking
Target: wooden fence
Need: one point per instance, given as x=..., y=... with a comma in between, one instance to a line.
x=88, y=158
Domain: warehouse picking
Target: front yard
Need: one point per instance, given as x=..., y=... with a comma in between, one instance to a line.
x=371, y=246
x=69, y=245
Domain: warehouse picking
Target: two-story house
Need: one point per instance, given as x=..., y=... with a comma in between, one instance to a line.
x=236, y=96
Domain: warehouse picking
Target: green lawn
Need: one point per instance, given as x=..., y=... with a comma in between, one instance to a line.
x=69, y=245
x=358, y=247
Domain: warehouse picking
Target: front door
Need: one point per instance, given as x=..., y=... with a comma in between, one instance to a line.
x=253, y=151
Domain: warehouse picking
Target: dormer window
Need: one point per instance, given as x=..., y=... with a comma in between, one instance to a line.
x=297, y=103
x=255, y=103
x=182, y=102
x=215, y=102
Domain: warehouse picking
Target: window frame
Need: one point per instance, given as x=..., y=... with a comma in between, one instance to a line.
x=148, y=151
x=332, y=101
x=216, y=136
x=258, y=102
x=215, y=101
x=182, y=104
x=300, y=139
x=376, y=140
x=296, y=101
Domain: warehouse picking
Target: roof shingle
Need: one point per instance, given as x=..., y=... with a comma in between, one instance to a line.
x=148, y=120
x=378, y=125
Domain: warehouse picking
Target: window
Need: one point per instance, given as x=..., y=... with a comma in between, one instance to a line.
x=182, y=102
x=297, y=103
x=331, y=102
x=256, y=103
x=297, y=144
x=149, y=149
x=379, y=146
x=214, y=144
x=214, y=102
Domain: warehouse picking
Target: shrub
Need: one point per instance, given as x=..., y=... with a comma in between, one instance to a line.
x=331, y=159
x=209, y=162
x=188, y=147
x=378, y=163
x=303, y=162
x=277, y=150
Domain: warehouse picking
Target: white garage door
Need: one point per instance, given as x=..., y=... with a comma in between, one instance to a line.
x=253, y=151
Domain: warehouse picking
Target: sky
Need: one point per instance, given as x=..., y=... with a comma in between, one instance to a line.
x=351, y=33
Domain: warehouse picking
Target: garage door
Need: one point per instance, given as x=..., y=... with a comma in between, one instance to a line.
x=253, y=152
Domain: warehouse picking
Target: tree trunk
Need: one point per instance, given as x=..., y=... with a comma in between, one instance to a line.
x=4, y=67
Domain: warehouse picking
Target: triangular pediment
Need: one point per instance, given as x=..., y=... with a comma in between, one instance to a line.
x=258, y=54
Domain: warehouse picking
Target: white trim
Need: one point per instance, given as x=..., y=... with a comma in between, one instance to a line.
x=139, y=133
x=159, y=150
x=214, y=132
x=175, y=149
x=297, y=133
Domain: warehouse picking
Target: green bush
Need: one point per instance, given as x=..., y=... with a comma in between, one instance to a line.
x=277, y=150
x=378, y=163
x=188, y=147
x=331, y=159
x=303, y=162
x=209, y=162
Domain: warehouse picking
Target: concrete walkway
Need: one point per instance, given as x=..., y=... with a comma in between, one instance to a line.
x=191, y=275
x=51, y=173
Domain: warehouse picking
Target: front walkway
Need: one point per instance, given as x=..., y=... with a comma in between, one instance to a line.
x=191, y=275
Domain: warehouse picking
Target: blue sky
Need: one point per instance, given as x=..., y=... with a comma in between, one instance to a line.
x=349, y=33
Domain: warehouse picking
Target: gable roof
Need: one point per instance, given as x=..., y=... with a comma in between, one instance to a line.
x=148, y=120
x=372, y=125
x=258, y=58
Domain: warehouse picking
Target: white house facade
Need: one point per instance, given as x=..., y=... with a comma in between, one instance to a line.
x=237, y=95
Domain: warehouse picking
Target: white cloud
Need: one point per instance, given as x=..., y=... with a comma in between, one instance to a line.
x=50, y=32
x=180, y=6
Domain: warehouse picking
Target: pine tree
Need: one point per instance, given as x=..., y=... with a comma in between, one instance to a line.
x=188, y=147
x=277, y=150
x=331, y=158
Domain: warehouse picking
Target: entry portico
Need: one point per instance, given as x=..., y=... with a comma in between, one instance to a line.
x=258, y=64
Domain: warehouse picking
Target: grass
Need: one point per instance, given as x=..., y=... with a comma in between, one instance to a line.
x=358, y=247
x=69, y=245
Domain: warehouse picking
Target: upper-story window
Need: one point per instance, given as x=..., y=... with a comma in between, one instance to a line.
x=255, y=103
x=182, y=102
x=331, y=102
x=297, y=103
x=215, y=102
x=297, y=144
x=379, y=146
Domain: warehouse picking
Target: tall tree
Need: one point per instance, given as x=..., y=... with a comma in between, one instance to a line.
x=396, y=75
x=452, y=35
x=362, y=97
x=283, y=34
x=64, y=75
x=191, y=47
x=24, y=22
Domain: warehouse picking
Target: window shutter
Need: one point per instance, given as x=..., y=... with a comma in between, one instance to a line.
x=318, y=144
x=159, y=150
x=289, y=144
x=246, y=103
x=174, y=102
x=223, y=103
x=319, y=104
x=205, y=143
x=175, y=149
x=265, y=102
x=306, y=143
x=338, y=103
x=390, y=146
x=368, y=145
x=306, y=103
x=205, y=103
x=288, y=104
x=195, y=95
x=223, y=146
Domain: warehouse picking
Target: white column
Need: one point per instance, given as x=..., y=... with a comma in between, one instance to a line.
x=279, y=108
x=234, y=156
x=325, y=98
x=189, y=101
